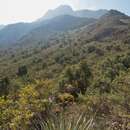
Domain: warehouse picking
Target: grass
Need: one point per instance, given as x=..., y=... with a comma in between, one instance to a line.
x=60, y=122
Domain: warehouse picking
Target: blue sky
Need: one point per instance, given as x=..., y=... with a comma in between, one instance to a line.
x=12, y=11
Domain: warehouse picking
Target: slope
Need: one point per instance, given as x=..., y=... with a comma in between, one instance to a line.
x=51, y=28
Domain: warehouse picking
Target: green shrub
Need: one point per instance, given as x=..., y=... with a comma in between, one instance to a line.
x=22, y=70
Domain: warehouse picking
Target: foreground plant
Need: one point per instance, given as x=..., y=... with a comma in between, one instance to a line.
x=62, y=122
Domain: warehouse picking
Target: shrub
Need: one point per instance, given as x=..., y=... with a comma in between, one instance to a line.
x=22, y=70
x=91, y=49
x=72, y=90
x=126, y=61
x=4, y=86
x=78, y=77
x=17, y=114
x=65, y=98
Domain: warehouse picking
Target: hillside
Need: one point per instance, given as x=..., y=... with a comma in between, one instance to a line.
x=37, y=42
x=11, y=33
x=69, y=73
x=53, y=27
x=113, y=25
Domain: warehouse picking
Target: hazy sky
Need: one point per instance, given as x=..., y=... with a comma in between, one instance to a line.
x=12, y=11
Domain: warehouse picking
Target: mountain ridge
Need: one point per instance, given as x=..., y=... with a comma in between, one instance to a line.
x=67, y=10
x=56, y=26
x=12, y=33
x=113, y=25
x=106, y=24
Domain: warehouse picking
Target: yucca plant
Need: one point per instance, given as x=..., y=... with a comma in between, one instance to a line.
x=64, y=122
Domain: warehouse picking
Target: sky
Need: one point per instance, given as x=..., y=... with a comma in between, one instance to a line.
x=12, y=11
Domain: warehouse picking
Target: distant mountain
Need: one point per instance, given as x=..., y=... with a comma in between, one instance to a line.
x=113, y=25
x=67, y=10
x=13, y=32
x=56, y=25
x=90, y=13
x=115, y=14
x=1, y=27
x=66, y=22
x=61, y=10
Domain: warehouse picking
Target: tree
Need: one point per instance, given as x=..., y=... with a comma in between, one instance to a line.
x=85, y=75
x=69, y=75
x=126, y=61
x=22, y=70
x=78, y=77
x=4, y=86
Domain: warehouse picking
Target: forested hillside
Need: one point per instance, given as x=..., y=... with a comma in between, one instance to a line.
x=69, y=74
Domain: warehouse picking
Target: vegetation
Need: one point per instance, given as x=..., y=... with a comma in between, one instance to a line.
x=68, y=82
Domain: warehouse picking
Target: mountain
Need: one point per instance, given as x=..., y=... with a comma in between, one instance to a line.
x=68, y=44
x=1, y=27
x=61, y=10
x=56, y=25
x=65, y=38
x=11, y=33
x=90, y=13
x=67, y=10
x=83, y=68
x=112, y=25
